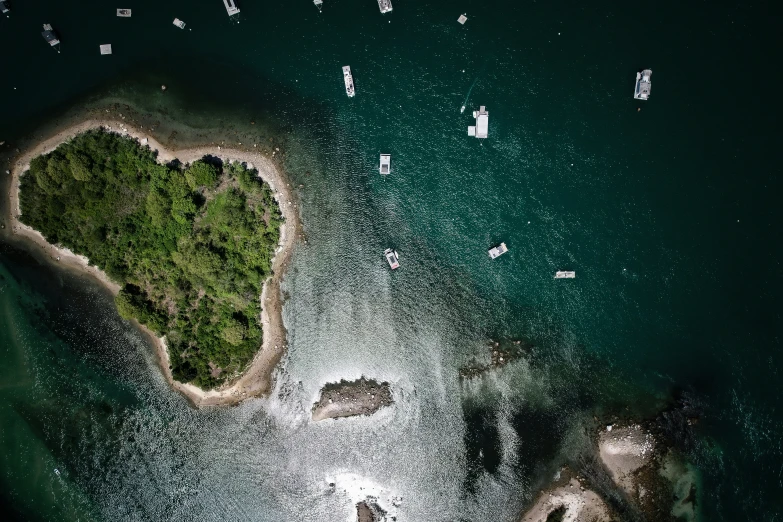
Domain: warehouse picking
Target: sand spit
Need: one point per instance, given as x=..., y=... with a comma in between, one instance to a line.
x=350, y=398
x=258, y=377
x=571, y=502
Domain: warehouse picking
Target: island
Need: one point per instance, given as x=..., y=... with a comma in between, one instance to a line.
x=350, y=398
x=189, y=242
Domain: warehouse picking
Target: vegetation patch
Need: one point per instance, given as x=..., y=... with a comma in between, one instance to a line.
x=191, y=248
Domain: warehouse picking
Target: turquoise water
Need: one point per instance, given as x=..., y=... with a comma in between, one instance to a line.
x=668, y=216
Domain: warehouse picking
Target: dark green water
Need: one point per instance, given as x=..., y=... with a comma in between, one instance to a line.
x=668, y=215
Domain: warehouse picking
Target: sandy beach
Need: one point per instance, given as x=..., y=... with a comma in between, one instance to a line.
x=257, y=379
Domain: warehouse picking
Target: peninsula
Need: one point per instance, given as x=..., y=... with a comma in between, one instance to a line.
x=191, y=244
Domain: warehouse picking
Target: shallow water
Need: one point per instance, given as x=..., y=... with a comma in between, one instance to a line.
x=667, y=215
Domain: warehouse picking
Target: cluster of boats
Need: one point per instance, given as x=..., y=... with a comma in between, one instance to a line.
x=53, y=40
x=393, y=258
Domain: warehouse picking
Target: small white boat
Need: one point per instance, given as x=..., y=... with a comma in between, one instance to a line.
x=385, y=6
x=231, y=7
x=179, y=23
x=481, y=129
x=462, y=109
x=124, y=13
x=392, y=257
x=498, y=251
x=57, y=472
x=643, y=85
x=385, y=163
x=4, y=7
x=318, y=3
x=462, y=19
x=564, y=274
x=348, y=78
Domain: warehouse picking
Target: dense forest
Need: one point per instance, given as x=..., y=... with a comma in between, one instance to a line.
x=191, y=247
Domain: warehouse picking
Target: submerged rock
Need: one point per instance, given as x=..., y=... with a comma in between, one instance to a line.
x=501, y=353
x=350, y=398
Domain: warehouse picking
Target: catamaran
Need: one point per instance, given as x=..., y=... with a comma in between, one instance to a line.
x=385, y=163
x=564, y=274
x=498, y=251
x=643, y=85
x=179, y=23
x=348, y=77
x=481, y=129
x=392, y=258
x=231, y=7
x=384, y=5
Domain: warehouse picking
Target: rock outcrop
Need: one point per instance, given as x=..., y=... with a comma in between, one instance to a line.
x=350, y=398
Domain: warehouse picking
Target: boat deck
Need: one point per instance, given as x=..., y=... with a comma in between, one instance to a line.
x=231, y=7
x=384, y=5
x=348, y=78
x=385, y=163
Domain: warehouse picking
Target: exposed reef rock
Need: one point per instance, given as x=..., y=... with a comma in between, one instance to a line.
x=501, y=353
x=369, y=511
x=629, y=471
x=568, y=500
x=350, y=398
x=624, y=451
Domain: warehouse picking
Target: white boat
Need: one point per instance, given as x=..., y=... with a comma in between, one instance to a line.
x=231, y=7
x=124, y=13
x=318, y=3
x=385, y=6
x=462, y=19
x=481, y=129
x=57, y=472
x=385, y=163
x=348, y=77
x=498, y=251
x=564, y=274
x=4, y=7
x=392, y=257
x=179, y=23
x=643, y=85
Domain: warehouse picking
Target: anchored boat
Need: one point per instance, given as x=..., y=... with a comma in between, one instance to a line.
x=179, y=23
x=385, y=163
x=385, y=6
x=498, y=251
x=50, y=37
x=348, y=77
x=392, y=258
x=124, y=13
x=643, y=85
x=4, y=7
x=481, y=129
x=231, y=7
x=564, y=275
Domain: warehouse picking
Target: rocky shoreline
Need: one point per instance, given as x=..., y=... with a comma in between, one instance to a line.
x=351, y=398
x=634, y=471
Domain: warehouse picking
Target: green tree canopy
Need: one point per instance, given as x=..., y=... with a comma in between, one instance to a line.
x=190, y=248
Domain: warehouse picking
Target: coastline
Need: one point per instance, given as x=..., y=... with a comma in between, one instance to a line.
x=257, y=378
